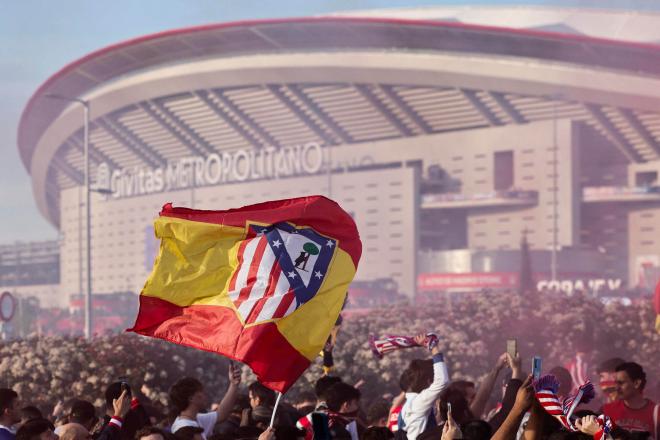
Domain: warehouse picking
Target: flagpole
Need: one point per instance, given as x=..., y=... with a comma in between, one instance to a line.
x=277, y=402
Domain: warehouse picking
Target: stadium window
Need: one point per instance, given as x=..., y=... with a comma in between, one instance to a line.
x=647, y=215
x=372, y=198
x=647, y=229
x=396, y=183
x=479, y=182
x=456, y=158
x=646, y=178
x=647, y=243
x=396, y=235
x=395, y=196
x=503, y=170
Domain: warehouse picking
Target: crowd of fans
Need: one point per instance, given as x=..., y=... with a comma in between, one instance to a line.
x=129, y=387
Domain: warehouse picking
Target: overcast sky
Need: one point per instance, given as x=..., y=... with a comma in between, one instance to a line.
x=40, y=36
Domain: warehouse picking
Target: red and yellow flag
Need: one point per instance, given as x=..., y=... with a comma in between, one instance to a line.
x=263, y=284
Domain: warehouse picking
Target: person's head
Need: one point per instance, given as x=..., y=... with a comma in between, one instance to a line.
x=378, y=413
x=260, y=395
x=476, y=430
x=30, y=413
x=323, y=384
x=466, y=387
x=344, y=399
x=38, y=429
x=630, y=380
x=188, y=392
x=73, y=431
x=607, y=378
x=83, y=413
x=418, y=375
x=377, y=433
x=565, y=380
x=189, y=433
x=113, y=392
x=150, y=433
x=460, y=408
x=10, y=413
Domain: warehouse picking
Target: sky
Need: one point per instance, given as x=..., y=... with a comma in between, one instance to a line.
x=41, y=36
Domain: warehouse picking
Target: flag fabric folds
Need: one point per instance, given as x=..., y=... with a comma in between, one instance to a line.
x=263, y=284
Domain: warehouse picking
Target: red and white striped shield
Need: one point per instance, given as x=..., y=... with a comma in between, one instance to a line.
x=280, y=267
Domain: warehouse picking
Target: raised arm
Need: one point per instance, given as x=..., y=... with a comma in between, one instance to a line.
x=424, y=400
x=227, y=404
x=486, y=388
x=510, y=394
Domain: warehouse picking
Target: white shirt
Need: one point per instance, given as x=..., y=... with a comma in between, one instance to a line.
x=415, y=411
x=206, y=421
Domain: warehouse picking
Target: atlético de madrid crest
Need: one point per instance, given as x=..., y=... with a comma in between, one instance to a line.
x=280, y=267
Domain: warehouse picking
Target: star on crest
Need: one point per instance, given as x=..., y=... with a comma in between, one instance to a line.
x=330, y=244
x=318, y=274
x=277, y=244
x=292, y=274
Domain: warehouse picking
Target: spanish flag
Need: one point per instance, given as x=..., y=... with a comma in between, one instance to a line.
x=263, y=284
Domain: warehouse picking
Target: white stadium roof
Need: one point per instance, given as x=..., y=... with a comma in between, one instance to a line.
x=338, y=80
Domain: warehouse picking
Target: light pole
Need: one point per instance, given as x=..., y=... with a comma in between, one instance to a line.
x=88, y=293
x=555, y=183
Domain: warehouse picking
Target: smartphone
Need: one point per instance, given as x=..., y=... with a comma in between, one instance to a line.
x=448, y=408
x=320, y=425
x=512, y=347
x=536, y=367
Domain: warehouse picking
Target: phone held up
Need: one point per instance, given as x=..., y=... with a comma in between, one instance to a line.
x=536, y=367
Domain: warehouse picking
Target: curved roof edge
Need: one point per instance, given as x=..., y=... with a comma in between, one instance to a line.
x=63, y=81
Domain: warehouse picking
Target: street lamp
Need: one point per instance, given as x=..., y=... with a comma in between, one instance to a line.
x=88, y=293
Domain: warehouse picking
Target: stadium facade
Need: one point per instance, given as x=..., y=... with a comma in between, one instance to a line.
x=447, y=137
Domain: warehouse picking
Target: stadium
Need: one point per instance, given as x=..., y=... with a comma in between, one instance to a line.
x=449, y=134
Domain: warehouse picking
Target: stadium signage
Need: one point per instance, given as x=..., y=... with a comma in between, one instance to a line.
x=216, y=168
x=569, y=286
